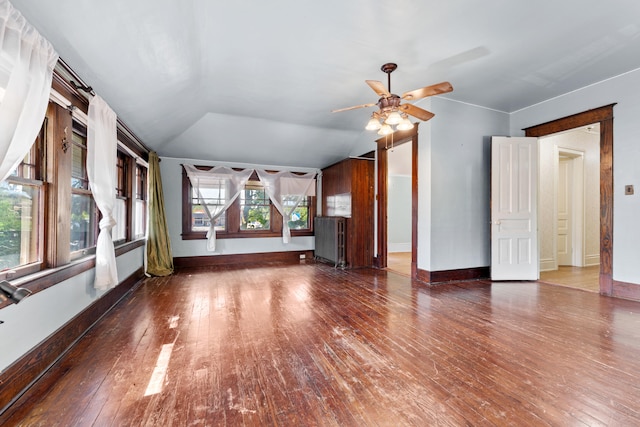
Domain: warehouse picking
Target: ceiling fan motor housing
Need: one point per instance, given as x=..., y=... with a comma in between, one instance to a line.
x=389, y=103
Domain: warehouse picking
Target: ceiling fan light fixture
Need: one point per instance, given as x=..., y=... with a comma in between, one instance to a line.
x=385, y=129
x=405, y=124
x=373, y=124
x=393, y=118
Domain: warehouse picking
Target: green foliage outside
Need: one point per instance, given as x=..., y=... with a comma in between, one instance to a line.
x=256, y=210
x=10, y=226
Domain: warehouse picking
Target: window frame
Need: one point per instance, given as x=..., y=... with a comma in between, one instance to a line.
x=233, y=230
x=36, y=154
x=124, y=191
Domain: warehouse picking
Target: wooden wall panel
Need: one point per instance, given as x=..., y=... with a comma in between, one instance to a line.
x=356, y=177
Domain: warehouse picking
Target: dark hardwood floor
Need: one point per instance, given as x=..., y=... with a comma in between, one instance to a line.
x=309, y=345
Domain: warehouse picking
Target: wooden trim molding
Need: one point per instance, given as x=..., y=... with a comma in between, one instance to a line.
x=287, y=257
x=23, y=373
x=444, y=276
x=625, y=290
x=604, y=116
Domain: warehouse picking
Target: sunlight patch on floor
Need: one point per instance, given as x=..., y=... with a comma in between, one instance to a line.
x=159, y=372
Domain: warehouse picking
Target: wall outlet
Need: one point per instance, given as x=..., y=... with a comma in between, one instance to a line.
x=628, y=190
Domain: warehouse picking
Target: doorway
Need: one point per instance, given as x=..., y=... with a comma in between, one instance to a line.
x=604, y=117
x=399, y=172
x=384, y=146
x=568, y=208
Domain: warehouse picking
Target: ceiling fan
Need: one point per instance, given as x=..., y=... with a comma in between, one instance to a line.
x=391, y=112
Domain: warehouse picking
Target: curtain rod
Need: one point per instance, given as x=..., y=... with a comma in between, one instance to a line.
x=84, y=88
x=76, y=81
x=81, y=85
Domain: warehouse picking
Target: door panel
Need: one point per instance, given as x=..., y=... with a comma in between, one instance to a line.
x=514, y=178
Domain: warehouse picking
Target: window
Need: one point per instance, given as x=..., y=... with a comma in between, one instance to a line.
x=251, y=215
x=84, y=221
x=119, y=232
x=213, y=197
x=21, y=218
x=141, y=202
x=255, y=207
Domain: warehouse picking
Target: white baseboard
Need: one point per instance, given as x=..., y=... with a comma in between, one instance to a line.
x=399, y=247
x=590, y=260
x=548, y=264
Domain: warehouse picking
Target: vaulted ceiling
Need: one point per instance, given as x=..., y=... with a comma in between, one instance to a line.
x=255, y=81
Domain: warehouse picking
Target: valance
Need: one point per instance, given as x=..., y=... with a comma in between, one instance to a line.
x=286, y=191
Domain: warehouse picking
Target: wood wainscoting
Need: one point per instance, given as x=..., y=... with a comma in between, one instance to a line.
x=288, y=257
x=18, y=377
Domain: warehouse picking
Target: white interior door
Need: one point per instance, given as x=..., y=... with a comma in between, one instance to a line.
x=565, y=226
x=514, y=192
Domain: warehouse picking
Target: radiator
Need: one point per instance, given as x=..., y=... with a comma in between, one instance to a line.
x=330, y=239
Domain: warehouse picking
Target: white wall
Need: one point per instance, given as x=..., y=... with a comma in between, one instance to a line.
x=171, y=171
x=454, y=185
x=40, y=315
x=399, y=213
x=626, y=156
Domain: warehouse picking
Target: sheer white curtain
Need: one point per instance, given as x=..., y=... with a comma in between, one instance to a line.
x=286, y=190
x=102, y=152
x=26, y=69
x=216, y=188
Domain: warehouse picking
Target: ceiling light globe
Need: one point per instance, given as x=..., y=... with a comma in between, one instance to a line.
x=405, y=124
x=374, y=124
x=394, y=118
x=385, y=130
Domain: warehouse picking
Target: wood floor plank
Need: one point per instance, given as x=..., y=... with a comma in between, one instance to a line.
x=317, y=346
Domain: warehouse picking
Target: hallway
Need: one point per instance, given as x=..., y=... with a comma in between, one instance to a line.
x=585, y=278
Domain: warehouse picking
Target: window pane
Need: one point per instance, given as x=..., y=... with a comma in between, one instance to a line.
x=19, y=224
x=141, y=218
x=83, y=222
x=119, y=232
x=255, y=207
x=300, y=217
x=141, y=182
x=140, y=226
x=79, y=161
x=214, y=198
x=200, y=220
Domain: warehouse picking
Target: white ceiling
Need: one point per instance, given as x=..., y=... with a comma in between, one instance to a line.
x=255, y=81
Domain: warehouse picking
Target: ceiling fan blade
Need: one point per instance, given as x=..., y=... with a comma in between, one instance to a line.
x=353, y=108
x=418, y=112
x=378, y=87
x=437, y=89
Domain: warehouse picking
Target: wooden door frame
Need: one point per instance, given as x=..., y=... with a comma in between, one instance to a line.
x=383, y=145
x=604, y=116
